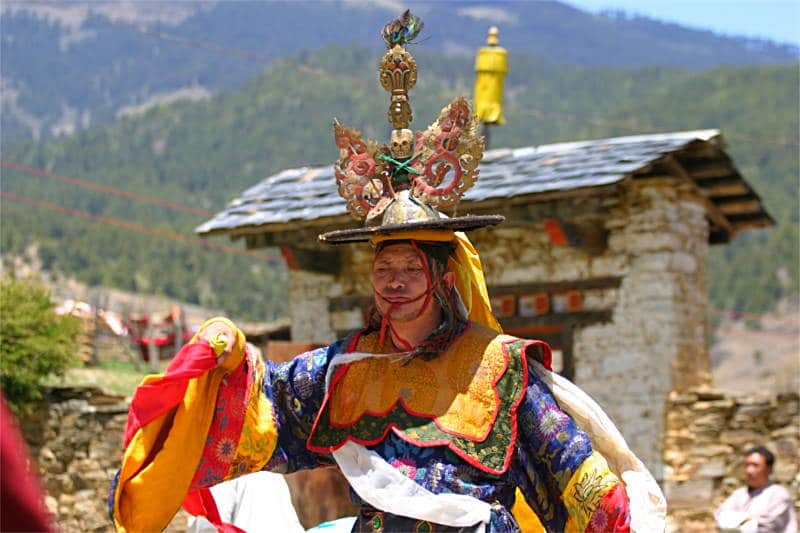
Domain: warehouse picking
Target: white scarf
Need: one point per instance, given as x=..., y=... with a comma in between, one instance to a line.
x=387, y=489
x=384, y=487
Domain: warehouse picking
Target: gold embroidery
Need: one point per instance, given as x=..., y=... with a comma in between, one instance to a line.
x=591, y=489
x=259, y=435
x=456, y=388
x=582, y=495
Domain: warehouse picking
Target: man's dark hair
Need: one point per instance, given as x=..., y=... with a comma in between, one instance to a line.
x=764, y=452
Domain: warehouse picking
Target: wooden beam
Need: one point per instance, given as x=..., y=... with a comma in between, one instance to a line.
x=723, y=187
x=658, y=179
x=752, y=220
x=712, y=212
x=739, y=204
x=554, y=339
x=581, y=318
x=740, y=207
x=756, y=223
x=709, y=170
x=556, y=286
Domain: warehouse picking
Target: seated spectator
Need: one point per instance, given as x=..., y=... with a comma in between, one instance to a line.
x=761, y=506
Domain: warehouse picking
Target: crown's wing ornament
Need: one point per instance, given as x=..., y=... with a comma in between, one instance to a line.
x=361, y=173
x=416, y=173
x=448, y=155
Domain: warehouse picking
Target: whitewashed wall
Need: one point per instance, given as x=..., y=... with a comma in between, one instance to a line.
x=309, y=294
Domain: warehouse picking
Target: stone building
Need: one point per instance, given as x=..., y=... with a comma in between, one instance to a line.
x=603, y=254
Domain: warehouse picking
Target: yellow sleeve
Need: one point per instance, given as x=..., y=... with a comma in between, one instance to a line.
x=162, y=458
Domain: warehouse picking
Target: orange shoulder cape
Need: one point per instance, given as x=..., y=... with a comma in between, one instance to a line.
x=466, y=398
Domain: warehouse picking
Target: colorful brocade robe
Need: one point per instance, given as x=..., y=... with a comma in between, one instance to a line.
x=474, y=420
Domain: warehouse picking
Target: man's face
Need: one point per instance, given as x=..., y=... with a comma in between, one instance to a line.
x=399, y=282
x=756, y=471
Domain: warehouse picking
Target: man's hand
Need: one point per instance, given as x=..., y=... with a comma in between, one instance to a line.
x=221, y=337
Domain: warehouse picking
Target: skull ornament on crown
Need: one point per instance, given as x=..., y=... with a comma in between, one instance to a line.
x=402, y=143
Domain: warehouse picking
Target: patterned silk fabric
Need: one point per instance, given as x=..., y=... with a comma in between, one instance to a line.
x=457, y=388
x=465, y=399
x=565, y=482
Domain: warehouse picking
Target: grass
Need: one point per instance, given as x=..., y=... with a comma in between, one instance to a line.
x=113, y=378
x=115, y=372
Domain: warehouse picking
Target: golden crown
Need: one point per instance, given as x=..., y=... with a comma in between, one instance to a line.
x=406, y=181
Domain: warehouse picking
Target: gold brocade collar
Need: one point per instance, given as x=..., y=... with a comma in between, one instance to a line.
x=457, y=388
x=465, y=398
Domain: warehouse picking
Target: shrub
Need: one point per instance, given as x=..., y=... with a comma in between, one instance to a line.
x=35, y=342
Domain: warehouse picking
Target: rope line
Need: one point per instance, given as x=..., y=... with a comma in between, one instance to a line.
x=271, y=258
x=105, y=188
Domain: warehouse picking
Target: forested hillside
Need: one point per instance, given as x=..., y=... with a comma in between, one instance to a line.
x=70, y=65
x=204, y=153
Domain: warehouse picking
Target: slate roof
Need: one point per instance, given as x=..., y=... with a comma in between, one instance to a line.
x=305, y=194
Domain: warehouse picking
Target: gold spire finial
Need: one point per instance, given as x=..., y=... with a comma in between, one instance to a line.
x=493, y=39
x=430, y=168
x=397, y=69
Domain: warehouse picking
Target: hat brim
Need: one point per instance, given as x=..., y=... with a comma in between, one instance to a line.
x=465, y=223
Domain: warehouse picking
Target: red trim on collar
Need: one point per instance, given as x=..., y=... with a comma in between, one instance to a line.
x=391, y=426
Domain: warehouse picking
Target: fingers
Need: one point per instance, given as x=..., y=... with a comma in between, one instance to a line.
x=221, y=337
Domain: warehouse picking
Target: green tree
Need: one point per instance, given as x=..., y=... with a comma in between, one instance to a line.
x=35, y=342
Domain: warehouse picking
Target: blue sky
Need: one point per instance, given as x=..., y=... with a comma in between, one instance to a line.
x=777, y=20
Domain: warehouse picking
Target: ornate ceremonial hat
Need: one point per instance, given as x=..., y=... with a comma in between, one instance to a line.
x=401, y=187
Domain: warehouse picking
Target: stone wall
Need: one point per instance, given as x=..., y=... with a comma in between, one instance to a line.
x=75, y=439
x=309, y=294
x=656, y=341
x=707, y=434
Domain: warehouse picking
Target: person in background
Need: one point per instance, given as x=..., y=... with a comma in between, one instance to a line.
x=760, y=506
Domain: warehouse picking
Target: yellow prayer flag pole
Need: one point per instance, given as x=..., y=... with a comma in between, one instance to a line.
x=491, y=66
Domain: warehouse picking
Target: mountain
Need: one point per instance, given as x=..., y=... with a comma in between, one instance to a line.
x=69, y=65
x=205, y=153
